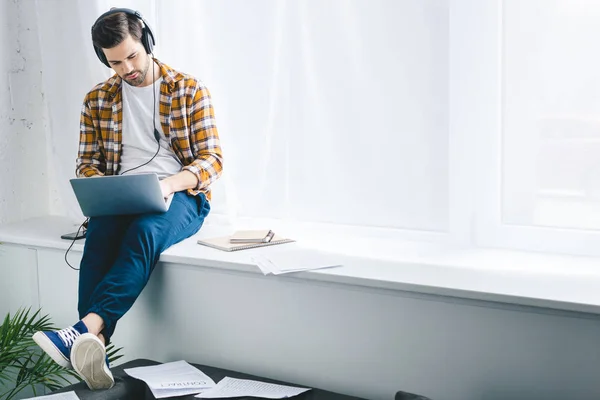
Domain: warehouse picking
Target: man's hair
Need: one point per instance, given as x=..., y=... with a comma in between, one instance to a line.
x=111, y=30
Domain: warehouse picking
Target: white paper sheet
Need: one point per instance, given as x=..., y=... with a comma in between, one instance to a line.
x=264, y=264
x=57, y=396
x=176, y=378
x=293, y=260
x=231, y=387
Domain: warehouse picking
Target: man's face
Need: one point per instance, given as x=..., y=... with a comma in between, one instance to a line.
x=129, y=60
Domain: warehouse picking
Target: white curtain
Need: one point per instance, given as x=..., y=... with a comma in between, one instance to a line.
x=328, y=110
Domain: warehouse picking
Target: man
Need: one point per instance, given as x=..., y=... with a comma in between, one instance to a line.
x=146, y=118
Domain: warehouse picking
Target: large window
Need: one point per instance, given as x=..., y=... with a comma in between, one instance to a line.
x=551, y=114
x=476, y=120
x=541, y=179
x=469, y=121
x=331, y=111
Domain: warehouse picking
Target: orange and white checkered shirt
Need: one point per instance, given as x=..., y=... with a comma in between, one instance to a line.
x=187, y=120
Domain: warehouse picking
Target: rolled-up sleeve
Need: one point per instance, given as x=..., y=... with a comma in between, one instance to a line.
x=204, y=139
x=90, y=160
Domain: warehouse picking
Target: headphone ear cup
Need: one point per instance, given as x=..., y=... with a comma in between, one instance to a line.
x=101, y=56
x=148, y=38
x=145, y=41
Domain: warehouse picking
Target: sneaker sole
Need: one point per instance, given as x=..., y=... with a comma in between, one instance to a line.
x=88, y=358
x=51, y=349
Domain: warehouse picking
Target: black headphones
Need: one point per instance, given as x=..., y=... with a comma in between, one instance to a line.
x=147, y=35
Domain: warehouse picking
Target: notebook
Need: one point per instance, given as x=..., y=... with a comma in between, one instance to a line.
x=223, y=243
x=256, y=236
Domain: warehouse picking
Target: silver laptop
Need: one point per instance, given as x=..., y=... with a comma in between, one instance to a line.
x=120, y=195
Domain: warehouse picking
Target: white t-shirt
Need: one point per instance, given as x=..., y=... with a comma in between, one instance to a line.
x=139, y=143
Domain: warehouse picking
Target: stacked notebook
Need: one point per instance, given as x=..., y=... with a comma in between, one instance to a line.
x=246, y=239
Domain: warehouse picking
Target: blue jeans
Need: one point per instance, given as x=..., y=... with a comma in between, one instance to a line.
x=120, y=253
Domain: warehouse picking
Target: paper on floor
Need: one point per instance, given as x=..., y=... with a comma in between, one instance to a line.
x=293, y=260
x=231, y=387
x=176, y=378
x=57, y=396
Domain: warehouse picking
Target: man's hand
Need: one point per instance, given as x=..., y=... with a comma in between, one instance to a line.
x=166, y=188
x=178, y=182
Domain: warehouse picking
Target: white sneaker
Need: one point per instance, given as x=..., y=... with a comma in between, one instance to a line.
x=88, y=357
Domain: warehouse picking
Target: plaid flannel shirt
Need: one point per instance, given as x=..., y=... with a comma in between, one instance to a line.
x=187, y=120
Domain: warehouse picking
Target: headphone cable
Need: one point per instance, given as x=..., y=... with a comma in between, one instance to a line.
x=84, y=226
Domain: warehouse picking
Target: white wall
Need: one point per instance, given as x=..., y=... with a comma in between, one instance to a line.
x=4, y=106
x=24, y=184
x=353, y=340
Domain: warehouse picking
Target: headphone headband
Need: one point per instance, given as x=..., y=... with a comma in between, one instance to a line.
x=147, y=36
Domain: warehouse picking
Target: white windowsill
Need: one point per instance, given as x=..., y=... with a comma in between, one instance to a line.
x=520, y=278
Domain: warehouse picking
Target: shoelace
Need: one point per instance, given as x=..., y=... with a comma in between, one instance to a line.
x=68, y=335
